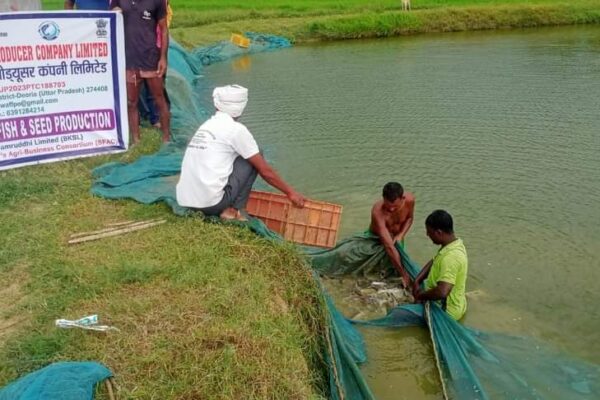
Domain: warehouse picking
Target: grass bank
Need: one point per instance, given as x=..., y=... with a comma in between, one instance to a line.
x=203, y=22
x=204, y=310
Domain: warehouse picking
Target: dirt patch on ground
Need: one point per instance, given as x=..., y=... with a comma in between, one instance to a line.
x=11, y=298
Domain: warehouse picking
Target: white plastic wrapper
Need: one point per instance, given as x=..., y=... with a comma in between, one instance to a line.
x=90, y=322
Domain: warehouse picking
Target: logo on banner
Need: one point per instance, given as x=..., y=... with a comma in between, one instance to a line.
x=49, y=30
x=101, y=32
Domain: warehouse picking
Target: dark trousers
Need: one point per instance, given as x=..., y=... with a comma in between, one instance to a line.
x=146, y=105
x=237, y=190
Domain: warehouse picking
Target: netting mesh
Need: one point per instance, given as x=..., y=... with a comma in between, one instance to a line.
x=58, y=381
x=474, y=365
x=479, y=365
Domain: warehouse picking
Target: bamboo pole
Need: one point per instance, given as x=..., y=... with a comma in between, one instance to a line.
x=334, y=366
x=435, y=351
x=112, y=228
x=109, y=387
x=80, y=234
x=116, y=232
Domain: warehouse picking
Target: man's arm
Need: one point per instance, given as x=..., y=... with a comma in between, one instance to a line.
x=422, y=275
x=445, y=282
x=69, y=4
x=164, y=47
x=381, y=230
x=272, y=178
x=440, y=292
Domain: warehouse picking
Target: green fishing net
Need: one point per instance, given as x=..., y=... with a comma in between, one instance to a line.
x=58, y=381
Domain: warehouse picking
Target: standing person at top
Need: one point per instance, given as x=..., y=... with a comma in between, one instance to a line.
x=146, y=104
x=144, y=59
x=391, y=218
x=87, y=4
x=222, y=160
x=445, y=275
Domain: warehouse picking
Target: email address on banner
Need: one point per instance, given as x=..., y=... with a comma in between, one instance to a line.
x=15, y=106
x=56, y=124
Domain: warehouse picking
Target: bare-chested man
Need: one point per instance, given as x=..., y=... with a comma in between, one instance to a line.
x=391, y=219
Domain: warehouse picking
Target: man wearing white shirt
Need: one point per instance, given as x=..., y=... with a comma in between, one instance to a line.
x=222, y=161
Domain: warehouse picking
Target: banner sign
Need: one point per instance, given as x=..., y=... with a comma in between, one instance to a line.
x=62, y=86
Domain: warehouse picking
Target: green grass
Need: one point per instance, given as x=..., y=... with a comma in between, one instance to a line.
x=202, y=22
x=316, y=5
x=204, y=310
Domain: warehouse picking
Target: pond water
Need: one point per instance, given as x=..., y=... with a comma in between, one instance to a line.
x=502, y=129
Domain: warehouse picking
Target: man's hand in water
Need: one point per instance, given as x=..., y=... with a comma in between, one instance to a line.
x=416, y=290
x=297, y=199
x=405, y=278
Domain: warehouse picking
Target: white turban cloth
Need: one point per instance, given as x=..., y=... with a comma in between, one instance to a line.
x=231, y=99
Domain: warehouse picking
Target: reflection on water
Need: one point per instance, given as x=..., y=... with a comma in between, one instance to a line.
x=500, y=128
x=241, y=63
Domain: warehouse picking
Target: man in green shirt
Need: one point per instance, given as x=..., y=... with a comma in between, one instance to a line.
x=445, y=275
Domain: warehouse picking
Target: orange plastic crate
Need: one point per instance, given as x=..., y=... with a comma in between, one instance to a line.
x=240, y=40
x=316, y=224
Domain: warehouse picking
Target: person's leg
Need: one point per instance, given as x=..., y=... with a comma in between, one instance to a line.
x=157, y=90
x=143, y=103
x=218, y=208
x=236, y=192
x=153, y=115
x=165, y=91
x=133, y=94
x=240, y=183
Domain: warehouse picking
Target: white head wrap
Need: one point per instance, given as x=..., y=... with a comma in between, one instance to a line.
x=231, y=99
